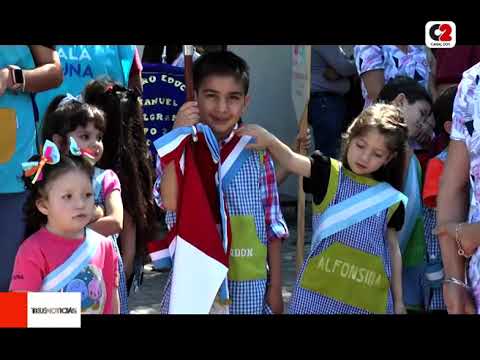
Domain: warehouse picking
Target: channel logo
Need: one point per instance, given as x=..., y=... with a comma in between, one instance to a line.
x=440, y=34
x=40, y=310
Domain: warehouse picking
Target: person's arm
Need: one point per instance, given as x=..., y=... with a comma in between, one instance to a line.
x=48, y=74
x=115, y=302
x=396, y=285
x=370, y=66
x=112, y=222
x=336, y=59
x=374, y=81
x=301, y=145
x=453, y=198
x=169, y=187
x=188, y=115
x=432, y=62
x=288, y=159
x=128, y=241
x=274, y=291
x=29, y=269
x=452, y=207
x=467, y=235
x=276, y=229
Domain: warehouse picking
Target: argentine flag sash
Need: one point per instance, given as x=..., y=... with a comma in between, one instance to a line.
x=81, y=257
x=414, y=209
x=355, y=209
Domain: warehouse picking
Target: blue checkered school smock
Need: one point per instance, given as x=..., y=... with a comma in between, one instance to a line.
x=434, y=297
x=368, y=236
x=243, y=197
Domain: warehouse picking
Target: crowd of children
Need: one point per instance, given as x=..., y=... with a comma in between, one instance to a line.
x=91, y=214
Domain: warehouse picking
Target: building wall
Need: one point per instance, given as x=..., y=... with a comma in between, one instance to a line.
x=270, y=90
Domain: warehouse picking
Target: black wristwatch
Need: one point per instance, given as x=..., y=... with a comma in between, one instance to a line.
x=18, y=80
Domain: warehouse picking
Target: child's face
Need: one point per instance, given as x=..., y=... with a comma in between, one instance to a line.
x=89, y=137
x=367, y=153
x=418, y=117
x=69, y=205
x=221, y=102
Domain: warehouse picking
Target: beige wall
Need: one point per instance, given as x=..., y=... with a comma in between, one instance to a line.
x=270, y=90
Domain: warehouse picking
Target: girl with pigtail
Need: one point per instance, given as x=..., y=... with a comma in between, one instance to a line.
x=62, y=253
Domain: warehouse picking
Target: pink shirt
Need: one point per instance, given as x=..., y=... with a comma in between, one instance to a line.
x=109, y=183
x=43, y=252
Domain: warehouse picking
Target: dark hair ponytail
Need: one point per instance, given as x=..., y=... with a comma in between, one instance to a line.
x=125, y=150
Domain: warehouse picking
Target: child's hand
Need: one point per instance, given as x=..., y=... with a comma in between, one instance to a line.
x=399, y=308
x=425, y=133
x=330, y=74
x=274, y=299
x=424, y=138
x=302, y=143
x=187, y=115
x=98, y=213
x=263, y=137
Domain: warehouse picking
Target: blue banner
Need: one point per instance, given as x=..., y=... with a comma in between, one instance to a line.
x=163, y=94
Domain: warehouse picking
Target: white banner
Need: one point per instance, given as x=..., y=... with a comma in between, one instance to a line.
x=301, y=60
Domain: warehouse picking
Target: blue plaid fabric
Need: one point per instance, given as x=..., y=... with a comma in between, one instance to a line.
x=434, y=296
x=248, y=297
x=253, y=290
x=122, y=285
x=247, y=194
x=367, y=236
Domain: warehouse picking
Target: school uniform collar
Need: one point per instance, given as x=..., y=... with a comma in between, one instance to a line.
x=229, y=137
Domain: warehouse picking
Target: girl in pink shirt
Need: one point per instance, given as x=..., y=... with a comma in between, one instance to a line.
x=61, y=253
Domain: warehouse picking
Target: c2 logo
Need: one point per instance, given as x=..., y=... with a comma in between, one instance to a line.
x=440, y=34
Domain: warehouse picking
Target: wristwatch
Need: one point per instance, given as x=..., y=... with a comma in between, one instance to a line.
x=18, y=81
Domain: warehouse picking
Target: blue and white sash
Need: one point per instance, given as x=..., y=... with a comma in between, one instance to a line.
x=414, y=208
x=62, y=275
x=227, y=171
x=356, y=209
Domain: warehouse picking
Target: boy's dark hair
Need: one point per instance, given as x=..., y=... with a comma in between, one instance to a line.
x=221, y=63
x=34, y=219
x=411, y=88
x=443, y=109
x=67, y=117
x=125, y=150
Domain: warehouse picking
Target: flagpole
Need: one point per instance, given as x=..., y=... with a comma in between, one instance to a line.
x=188, y=55
x=300, y=251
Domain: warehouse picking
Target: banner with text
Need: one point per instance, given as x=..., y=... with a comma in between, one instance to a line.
x=163, y=95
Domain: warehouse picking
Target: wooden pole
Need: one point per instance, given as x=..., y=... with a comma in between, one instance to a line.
x=188, y=54
x=303, y=126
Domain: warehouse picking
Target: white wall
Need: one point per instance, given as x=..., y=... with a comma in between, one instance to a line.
x=270, y=90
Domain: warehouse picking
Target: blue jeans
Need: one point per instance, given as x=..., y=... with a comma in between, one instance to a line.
x=326, y=113
x=12, y=227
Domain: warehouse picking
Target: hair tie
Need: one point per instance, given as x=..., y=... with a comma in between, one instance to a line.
x=69, y=98
x=50, y=155
x=86, y=153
